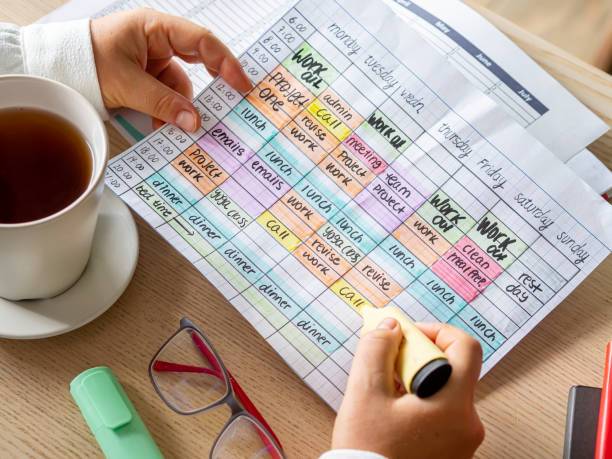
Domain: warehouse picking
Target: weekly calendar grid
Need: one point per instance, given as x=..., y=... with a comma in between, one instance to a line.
x=330, y=186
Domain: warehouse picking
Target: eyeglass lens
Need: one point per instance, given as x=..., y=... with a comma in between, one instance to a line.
x=244, y=439
x=187, y=373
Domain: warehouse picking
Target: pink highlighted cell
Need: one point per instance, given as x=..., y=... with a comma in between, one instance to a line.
x=454, y=280
x=365, y=154
x=266, y=175
x=471, y=273
x=242, y=198
x=377, y=210
x=478, y=257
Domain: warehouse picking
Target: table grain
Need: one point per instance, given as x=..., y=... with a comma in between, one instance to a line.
x=522, y=401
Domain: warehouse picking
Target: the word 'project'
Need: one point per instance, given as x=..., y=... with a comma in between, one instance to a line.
x=359, y=171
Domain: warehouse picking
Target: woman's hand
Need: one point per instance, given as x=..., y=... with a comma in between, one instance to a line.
x=376, y=417
x=134, y=53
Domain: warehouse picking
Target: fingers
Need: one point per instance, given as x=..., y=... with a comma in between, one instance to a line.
x=373, y=367
x=464, y=352
x=175, y=78
x=163, y=102
x=171, y=35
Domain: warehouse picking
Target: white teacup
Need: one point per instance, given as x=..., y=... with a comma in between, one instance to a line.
x=43, y=258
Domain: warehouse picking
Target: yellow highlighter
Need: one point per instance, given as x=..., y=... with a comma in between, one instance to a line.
x=421, y=365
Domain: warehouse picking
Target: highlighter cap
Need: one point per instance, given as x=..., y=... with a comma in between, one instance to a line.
x=111, y=416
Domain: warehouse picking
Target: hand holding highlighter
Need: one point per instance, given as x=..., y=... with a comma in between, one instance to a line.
x=421, y=365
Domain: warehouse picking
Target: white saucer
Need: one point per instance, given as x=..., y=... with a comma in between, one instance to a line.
x=108, y=273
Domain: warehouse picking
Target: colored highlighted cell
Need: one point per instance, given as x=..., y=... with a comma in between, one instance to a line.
x=329, y=255
x=279, y=231
x=382, y=127
x=372, y=293
x=203, y=227
x=229, y=208
x=253, y=118
x=501, y=244
x=193, y=238
x=272, y=315
x=303, y=209
x=336, y=240
x=340, y=108
x=379, y=211
x=349, y=161
x=365, y=154
x=304, y=142
x=402, y=257
x=440, y=310
x=340, y=176
x=349, y=295
x=193, y=174
x=482, y=327
x=315, y=265
x=291, y=221
x=228, y=271
x=353, y=232
x=241, y=262
x=324, y=116
x=218, y=154
x=311, y=69
x=310, y=351
x=486, y=349
x=379, y=277
x=277, y=297
x=382, y=259
x=315, y=332
x=356, y=213
x=270, y=104
x=268, y=177
x=168, y=193
x=415, y=245
x=293, y=95
x=254, y=188
x=237, y=148
x=427, y=234
x=476, y=256
x=291, y=154
x=206, y=164
x=243, y=131
x=456, y=281
x=316, y=130
x=277, y=162
x=390, y=199
x=402, y=187
x=323, y=184
x=317, y=200
x=442, y=291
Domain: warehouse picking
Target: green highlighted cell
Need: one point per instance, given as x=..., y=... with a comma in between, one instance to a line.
x=446, y=217
x=187, y=232
x=305, y=347
x=382, y=129
x=271, y=314
x=153, y=200
x=228, y=271
x=314, y=72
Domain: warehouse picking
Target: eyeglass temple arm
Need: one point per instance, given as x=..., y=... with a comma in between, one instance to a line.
x=242, y=396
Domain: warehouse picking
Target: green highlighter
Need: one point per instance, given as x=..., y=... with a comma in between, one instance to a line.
x=111, y=416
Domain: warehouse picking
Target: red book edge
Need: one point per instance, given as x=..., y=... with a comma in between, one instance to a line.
x=603, y=446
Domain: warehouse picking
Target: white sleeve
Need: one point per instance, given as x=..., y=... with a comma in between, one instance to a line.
x=350, y=454
x=61, y=52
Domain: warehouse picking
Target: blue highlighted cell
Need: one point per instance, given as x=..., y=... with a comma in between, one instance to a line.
x=243, y=264
x=217, y=218
x=353, y=232
x=401, y=256
x=279, y=164
x=442, y=291
x=432, y=303
x=277, y=297
x=168, y=193
x=204, y=227
x=324, y=184
x=315, y=332
x=486, y=349
x=358, y=214
x=243, y=131
x=252, y=117
x=291, y=153
x=482, y=327
x=316, y=199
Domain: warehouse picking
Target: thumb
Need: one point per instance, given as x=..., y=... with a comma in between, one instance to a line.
x=374, y=363
x=151, y=96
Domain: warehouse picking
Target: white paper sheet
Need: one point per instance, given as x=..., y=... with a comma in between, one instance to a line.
x=364, y=169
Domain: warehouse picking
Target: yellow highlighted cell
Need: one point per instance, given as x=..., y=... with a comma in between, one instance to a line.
x=279, y=231
x=329, y=120
x=349, y=295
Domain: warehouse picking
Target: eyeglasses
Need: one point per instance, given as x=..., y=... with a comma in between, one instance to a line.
x=188, y=374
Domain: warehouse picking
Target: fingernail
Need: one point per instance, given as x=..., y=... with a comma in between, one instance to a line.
x=185, y=120
x=387, y=324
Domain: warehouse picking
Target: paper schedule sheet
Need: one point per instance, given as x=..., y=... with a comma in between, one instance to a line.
x=363, y=170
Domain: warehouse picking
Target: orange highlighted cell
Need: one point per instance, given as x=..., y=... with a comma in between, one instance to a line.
x=315, y=265
x=340, y=176
x=343, y=111
x=329, y=255
x=416, y=246
x=317, y=131
x=206, y=164
x=304, y=142
x=427, y=234
x=290, y=220
x=266, y=100
x=302, y=209
x=377, y=276
x=350, y=162
x=365, y=287
x=192, y=173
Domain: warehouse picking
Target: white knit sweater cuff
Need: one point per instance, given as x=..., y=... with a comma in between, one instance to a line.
x=63, y=52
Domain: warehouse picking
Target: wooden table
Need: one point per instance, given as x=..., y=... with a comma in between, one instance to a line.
x=522, y=400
